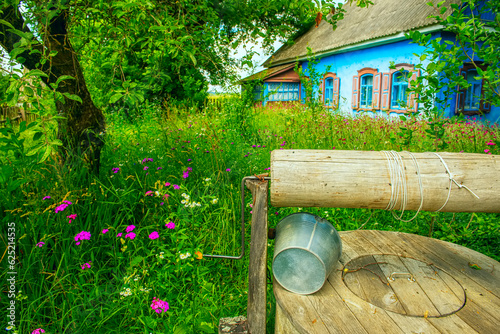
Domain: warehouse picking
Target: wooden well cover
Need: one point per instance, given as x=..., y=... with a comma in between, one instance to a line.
x=404, y=285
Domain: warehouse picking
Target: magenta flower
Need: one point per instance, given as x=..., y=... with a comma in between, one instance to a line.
x=154, y=235
x=185, y=174
x=130, y=235
x=46, y=197
x=146, y=168
x=119, y=235
x=115, y=170
x=161, y=203
x=189, y=169
x=167, y=184
x=490, y=143
x=159, y=305
x=61, y=207
x=40, y=331
x=86, y=265
x=170, y=225
x=83, y=235
x=67, y=202
x=166, y=196
x=159, y=168
x=71, y=217
x=40, y=244
x=104, y=231
x=228, y=169
x=176, y=186
x=486, y=151
x=149, y=193
x=130, y=228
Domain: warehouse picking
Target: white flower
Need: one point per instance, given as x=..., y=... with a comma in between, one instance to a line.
x=215, y=200
x=207, y=179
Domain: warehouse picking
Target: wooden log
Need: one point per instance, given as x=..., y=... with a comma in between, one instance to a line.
x=363, y=179
x=257, y=279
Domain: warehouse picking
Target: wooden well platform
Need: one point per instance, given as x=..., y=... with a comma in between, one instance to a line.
x=455, y=289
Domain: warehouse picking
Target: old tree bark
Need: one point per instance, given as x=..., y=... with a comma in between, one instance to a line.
x=82, y=128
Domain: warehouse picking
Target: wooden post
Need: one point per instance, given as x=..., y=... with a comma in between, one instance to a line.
x=448, y=182
x=257, y=280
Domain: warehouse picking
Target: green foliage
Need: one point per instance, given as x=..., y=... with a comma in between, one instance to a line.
x=468, y=39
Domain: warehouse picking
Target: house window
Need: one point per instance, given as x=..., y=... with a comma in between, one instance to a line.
x=283, y=91
x=329, y=91
x=366, y=91
x=399, y=85
x=470, y=100
x=473, y=93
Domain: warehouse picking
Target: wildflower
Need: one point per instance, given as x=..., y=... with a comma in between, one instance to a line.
x=228, y=169
x=40, y=244
x=71, y=217
x=490, y=143
x=61, y=207
x=170, y=225
x=208, y=179
x=130, y=235
x=38, y=331
x=185, y=174
x=149, y=193
x=176, y=187
x=126, y=293
x=145, y=168
x=161, y=255
x=198, y=255
x=486, y=151
x=189, y=169
x=115, y=170
x=83, y=235
x=104, y=231
x=166, y=196
x=86, y=265
x=154, y=235
x=167, y=184
x=130, y=228
x=215, y=200
x=159, y=168
x=119, y=235
x=159, y=305
x=161, y=203
x=184, y=256
x=46, y=197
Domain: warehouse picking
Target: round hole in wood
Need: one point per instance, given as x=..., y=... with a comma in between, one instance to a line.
x=404, y=285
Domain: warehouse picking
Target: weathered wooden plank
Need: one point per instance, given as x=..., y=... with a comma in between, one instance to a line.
x=300, y=312
x=361, y=179
x=282, y=324
x=256, y=310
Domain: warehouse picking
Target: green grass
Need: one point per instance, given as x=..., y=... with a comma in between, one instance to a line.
x=220, y=146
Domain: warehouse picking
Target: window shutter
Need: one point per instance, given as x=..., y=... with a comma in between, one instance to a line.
x=461, y=94
x=386, y=91
x=484, y=106
x=412, y=99
x=376, y=90
x=355, y=92
x=336, y=92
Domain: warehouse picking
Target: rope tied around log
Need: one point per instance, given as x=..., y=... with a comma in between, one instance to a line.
x=452, y=180
x=399, y=187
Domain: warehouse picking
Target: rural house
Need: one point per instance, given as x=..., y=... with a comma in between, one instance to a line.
x=355, y=61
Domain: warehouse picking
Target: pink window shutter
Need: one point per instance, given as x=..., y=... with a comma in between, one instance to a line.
x=355, y=92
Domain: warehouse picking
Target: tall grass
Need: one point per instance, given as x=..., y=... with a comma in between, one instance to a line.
x=183, y=167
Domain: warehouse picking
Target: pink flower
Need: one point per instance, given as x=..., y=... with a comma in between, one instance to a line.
x=115, y=170
x=130, y=235
x=86, y=265
x=167, y=184
x=149, y=193
x=189, y=168
x=228, y=169
x=71, y=217
x=119, y=235
x=159, y=305
x=40, y=244
x=130, y=228
x=490, y=143
x=170, y=225
x=176, y=186
x=61, y=207
x=486, y=151
x=166, y=196
x=185, y=174
x=83, y=235
x=161, y=203
x=104, y=231
x=38, y=331
x=154, y=235
x=46, y=197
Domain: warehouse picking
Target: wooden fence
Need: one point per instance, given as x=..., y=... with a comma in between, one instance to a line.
x=15, y=114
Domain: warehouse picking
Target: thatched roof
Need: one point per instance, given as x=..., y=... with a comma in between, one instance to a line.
x=382, y=19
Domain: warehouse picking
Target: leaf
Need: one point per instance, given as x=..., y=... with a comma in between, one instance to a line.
x=136, y=260
x=474, y=266
x=37, y=73
x=73, y=97
x=192, y=58
x=6, y=23
x=64, y=77
x=115, y=98
x=45, y=154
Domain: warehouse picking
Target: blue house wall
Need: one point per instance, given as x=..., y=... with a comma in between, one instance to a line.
x=347, y=64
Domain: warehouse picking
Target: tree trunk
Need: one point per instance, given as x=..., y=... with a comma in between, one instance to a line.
x=83, y=127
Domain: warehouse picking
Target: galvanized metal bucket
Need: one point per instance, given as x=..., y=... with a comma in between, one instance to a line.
x=307, y=248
